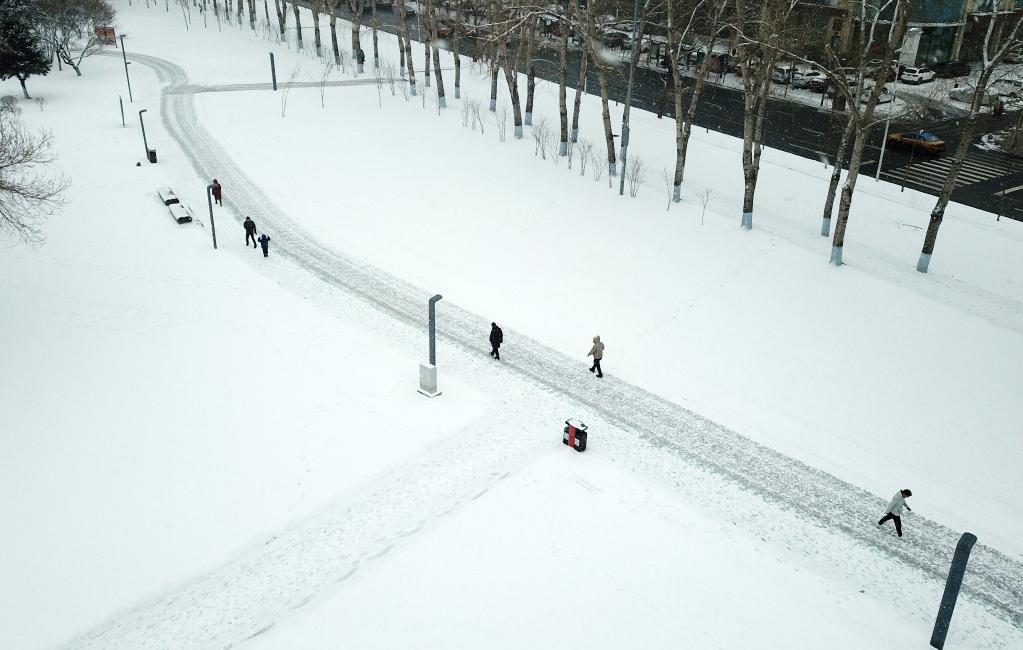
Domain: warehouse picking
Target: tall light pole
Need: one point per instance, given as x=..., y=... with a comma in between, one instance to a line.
x=145, y=143
x=125, y=56
x=884, y=145
x=213, y=226
x=428, y=371
x=628, y=94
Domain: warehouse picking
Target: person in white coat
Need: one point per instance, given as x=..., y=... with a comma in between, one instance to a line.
x=895, y=507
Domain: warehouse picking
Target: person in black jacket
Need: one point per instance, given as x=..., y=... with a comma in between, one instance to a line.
x=496, y=339
x=264, y=241
x=250, y=232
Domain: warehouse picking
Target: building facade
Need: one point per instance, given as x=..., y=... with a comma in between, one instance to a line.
x=939, y=30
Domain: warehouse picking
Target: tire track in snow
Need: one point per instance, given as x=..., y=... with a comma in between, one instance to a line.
x=247, y=595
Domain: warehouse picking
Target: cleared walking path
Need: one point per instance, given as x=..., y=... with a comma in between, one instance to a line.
x=244, y=598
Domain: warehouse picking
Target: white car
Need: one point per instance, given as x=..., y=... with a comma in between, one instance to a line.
x=806, y=79
x=917, y=75
x=1008, y=87
x=965, y=92
x=885, y=97
x=1014, y=55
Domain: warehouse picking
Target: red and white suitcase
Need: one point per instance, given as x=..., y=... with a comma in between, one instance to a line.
x=575, y=434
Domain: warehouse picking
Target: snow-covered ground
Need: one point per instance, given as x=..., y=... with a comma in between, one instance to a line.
x=194, y=434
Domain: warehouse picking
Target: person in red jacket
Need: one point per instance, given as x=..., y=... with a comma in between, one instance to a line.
x=217, y=192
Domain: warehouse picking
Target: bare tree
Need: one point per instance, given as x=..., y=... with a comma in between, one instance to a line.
x=501, y=117
x=580, y=88
x=1002, y=31
x=565, y=25
x=705, y=195
x=585, y=154
x=316, y=6
x=375, y=25
x=509, y=64
x=287, y=90
x=872, y=25
x=635, y=174
x=431, y=13
x=328, y=67
x=683, y=20
x=529, y=25
x=355, y=6
x=760, y=25
x=332, y=6
x=406, y=45
x=29, y=190
x=604, y=67
x=70, y=28
x=298, y=22
x=282, y=14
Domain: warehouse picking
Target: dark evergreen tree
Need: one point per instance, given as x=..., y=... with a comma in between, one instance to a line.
x=22, y=49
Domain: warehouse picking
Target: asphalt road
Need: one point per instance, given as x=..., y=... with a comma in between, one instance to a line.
x=992, y=181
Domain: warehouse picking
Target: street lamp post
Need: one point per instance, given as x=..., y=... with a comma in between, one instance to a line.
x=145, y=143
x=884, y=145
x=126, y=76
x=213, y=226
x=628, y=95
x=428, y=371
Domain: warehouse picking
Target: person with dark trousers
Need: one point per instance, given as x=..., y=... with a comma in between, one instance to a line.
x=250, y=232
x=264, y=243
x=496, y=339
x=597, y=352
x=894, y=511
x=217, y=192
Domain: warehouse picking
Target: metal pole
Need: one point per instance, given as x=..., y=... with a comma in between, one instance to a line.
x=273, y=71
x=884, y=145
x=952, y=585
x=145, y=143
x=213, y=226
x=433, y=329
x=125, y=56
x=121, y=101
x=628, y=98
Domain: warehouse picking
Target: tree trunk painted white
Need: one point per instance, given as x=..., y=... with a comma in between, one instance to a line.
x=836, y=175
x=356, y=9
x=432, y=23
x=565, y=25
x=282, y=15
x=298, y=24
x=406, y=44
x=315, y=8
x=333, y=32
x=996, y=42
x=530, y=28
x=580, y=87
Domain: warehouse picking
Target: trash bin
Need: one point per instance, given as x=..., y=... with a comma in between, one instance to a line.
x=152, y=155
x=575, y=434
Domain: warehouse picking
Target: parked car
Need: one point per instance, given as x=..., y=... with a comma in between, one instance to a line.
x=384, y=5
x=964, y=93
x=924, y=141
x=885, y=97
x=806, y=79
x=782, y=73
x=917, y=75
x=952, y=69
x=1015, y=55
x=1008, y=87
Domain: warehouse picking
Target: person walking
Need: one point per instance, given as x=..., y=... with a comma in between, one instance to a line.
x=597, y=352
x=496, y=339
x=894, y=511
x=250, y=232
x=217, y=192
x=264, y=243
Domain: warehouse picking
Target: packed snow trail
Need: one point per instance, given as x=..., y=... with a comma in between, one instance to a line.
x=245, y=597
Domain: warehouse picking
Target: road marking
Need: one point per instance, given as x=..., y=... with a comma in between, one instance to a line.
x=812, y=131
x=1011, y=190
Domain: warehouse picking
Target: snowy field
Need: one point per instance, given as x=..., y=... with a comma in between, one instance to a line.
x=206, y=446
